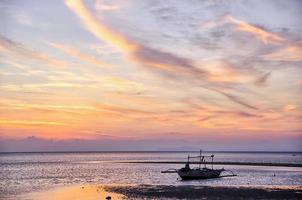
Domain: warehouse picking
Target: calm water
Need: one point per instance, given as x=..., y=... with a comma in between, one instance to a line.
x=21, y=173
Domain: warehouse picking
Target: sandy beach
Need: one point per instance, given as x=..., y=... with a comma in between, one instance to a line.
x=116, y=192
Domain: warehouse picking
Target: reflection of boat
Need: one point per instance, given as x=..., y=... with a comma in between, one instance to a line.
x=187, y=173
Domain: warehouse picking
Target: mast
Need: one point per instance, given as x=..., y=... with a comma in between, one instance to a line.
x=199, y=158
x=212, y=160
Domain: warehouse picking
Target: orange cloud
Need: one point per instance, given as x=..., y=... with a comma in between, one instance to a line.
x=31, y=123
x=298, y=82
x=291, y=53
x=53, y=120
x=225, y=72
x=21, y=106
x=98, y=28
x=289, y=107
x=263, y=35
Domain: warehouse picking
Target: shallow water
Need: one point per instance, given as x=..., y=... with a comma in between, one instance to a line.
x=22, y=173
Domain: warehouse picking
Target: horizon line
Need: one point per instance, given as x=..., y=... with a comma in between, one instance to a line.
x=150, y=151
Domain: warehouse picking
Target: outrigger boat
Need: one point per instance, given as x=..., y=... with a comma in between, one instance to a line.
x=187, y=173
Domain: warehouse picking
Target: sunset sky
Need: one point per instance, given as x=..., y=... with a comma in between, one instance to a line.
x=168, y=74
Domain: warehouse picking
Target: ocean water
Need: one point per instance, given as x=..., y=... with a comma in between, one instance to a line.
x=22, y=173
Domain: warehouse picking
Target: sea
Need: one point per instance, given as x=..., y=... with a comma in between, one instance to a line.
x=22, y=173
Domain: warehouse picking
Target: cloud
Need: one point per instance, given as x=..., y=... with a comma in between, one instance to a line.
x=265, y=36
x=101, y=6
x=80, y=55
x=118, y=84
x=292, y=53
x=47, y=106
x=235, y=99
x=153, y=58
x=239, y=101
x=45, y=85
x=206, y=118
x=99, y=29
x=123, y=111
x=239, y=114
x=167, y=62
x=289, y=107
x=30, y=123
x=225, y=71
x=261, y=81
x=288, y=52
x=73, y=109
x=20, y=51
x=179, y=67
x=147, y=56
x=298, y=82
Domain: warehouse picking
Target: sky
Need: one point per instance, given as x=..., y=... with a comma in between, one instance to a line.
x=150, y=75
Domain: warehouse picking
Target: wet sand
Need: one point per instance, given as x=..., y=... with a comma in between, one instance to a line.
x=117, y=192
x=205, y=192
x=78, y=192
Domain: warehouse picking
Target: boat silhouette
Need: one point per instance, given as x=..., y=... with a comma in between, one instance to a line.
x=200, y=172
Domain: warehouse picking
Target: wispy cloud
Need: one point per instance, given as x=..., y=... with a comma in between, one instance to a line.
x=291, y=53
x=262, y=80
x=265, y=36
x=155, y=59
x=99, y=29
x=47, y=106
x=114, y=83
x=102, y=6
x=158, y=60
x=80, y=55
x=167, y=62
x=289, y=107
x=227, y=72
x=287, y=51
x=21, y=51
x=147, y=56
x=260, y=33
x=30, y=122
x=236, y=99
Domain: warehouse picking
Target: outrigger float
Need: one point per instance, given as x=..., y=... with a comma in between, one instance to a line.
x=187, y=173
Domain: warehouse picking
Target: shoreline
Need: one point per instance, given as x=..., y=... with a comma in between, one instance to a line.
x=217, y=163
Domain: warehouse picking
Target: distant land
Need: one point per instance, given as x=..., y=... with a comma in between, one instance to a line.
x=35, y=144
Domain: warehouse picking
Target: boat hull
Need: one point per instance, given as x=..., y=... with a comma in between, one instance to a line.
x=199, y=173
